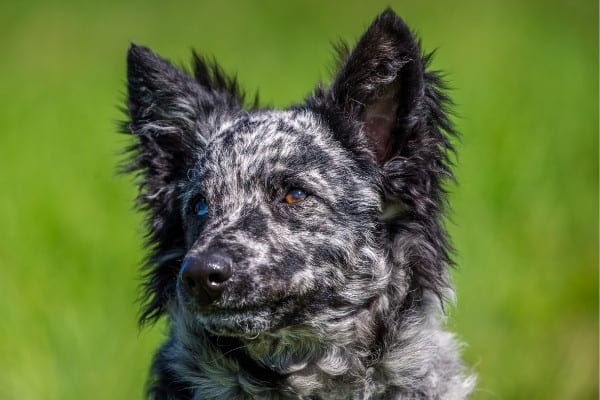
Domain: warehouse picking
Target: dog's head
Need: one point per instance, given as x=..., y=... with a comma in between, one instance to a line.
x=261, y=220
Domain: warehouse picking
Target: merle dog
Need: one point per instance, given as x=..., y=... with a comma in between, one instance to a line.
x=298, y=253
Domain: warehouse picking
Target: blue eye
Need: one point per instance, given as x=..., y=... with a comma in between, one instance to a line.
x=201, y=207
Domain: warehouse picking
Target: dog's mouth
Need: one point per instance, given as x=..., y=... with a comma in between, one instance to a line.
x=242, y=320
x=218, y=309
x=236, y=321
x=235, y=307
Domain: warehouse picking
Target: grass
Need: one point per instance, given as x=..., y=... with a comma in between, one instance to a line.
x=525, y=220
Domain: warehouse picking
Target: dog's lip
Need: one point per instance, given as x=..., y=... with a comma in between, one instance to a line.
x=215, y=309
x=224, y=309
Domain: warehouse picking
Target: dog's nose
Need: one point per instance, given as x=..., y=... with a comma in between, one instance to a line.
x=204, y=275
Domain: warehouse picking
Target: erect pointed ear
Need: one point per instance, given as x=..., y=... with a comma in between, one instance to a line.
x=162, y=98
x=172, y=113
x=381, y=83
x=165, y=107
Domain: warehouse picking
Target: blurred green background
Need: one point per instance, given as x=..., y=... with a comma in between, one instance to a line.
x=525, y=220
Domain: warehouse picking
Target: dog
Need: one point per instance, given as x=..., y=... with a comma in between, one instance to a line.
x=298, y=253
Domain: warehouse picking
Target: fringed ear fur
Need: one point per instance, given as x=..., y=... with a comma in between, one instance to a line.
x=385, y=102
x=380, y=83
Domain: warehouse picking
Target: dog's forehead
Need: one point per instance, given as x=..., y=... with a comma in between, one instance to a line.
x=267, y=128
x=274, y=139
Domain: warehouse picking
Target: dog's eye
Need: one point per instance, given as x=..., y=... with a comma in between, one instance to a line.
x=295, y=196
x=200, y=207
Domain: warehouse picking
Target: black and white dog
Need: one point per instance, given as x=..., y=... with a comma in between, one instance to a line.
x=298, y=253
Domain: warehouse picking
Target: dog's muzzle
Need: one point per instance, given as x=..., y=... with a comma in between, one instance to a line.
x=204, y=276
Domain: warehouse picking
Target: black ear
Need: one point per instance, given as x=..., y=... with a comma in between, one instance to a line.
x=381, y=83
x=384, y=99
x=164, y=106
x=172, y=115
x=163, y=99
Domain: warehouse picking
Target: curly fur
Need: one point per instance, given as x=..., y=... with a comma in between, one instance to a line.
x=339, y=296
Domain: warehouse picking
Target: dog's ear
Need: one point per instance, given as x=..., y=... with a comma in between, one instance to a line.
x=172, y=113
x=383, y=98
x=164, y=106
x=162, y=99
x=166, y=103
x=380, y=84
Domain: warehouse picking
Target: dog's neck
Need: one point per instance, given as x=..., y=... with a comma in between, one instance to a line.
x=297, y=363
x=362, y=359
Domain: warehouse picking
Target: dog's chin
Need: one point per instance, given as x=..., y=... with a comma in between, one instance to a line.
x=239, y=319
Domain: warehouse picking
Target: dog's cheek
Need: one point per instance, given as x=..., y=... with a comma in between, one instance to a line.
x=313, y=262
x=299, y=272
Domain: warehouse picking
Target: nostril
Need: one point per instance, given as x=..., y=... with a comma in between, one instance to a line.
x=217, y=278
x=187, y=280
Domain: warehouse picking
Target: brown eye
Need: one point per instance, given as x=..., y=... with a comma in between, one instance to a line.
x=294, y=196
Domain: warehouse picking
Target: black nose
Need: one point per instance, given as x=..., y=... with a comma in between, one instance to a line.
x=204, y=275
